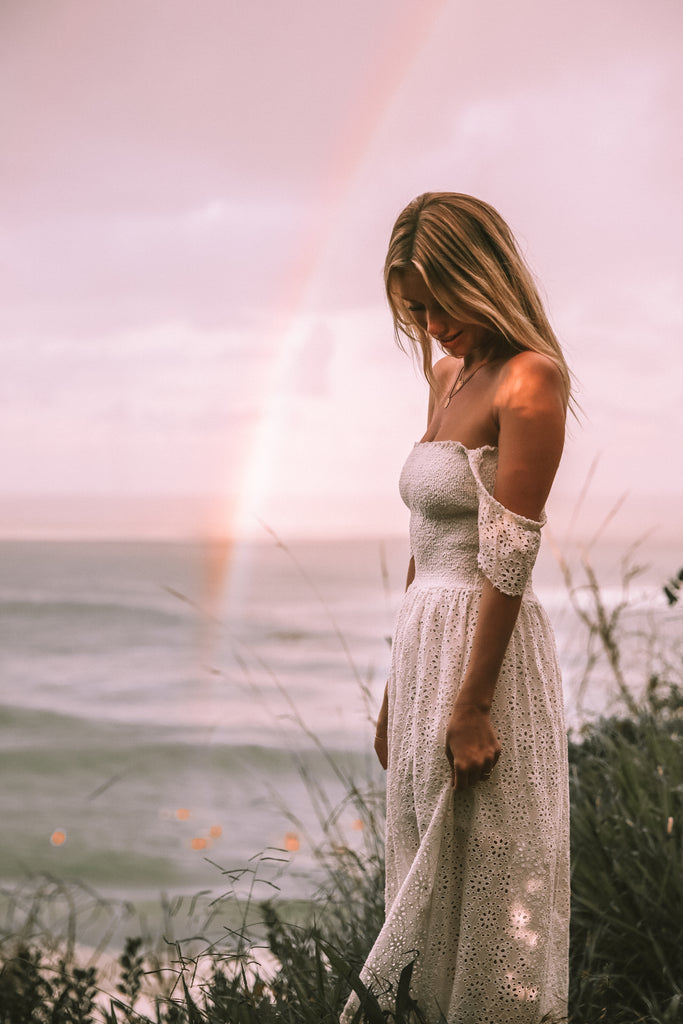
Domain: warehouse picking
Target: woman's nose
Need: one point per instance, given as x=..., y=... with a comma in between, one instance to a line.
x=437, y=323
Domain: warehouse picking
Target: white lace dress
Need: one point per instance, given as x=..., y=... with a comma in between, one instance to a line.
x=477, y=882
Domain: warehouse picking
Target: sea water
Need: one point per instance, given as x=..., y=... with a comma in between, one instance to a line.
x=170, y=711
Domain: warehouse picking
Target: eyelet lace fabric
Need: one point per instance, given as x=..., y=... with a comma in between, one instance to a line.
x=508, y=543
x=477, y=882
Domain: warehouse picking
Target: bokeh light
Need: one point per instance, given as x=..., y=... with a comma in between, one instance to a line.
x=292, y=843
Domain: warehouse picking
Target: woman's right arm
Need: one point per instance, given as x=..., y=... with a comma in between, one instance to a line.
x=381, y=745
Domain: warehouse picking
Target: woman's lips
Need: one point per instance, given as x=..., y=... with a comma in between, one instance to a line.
x=449, y=341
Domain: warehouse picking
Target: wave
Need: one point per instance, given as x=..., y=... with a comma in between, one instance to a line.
x=130, y=803
x=32, y=740
x=48, y=606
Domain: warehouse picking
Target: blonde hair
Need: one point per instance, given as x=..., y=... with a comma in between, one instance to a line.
x=470, y=262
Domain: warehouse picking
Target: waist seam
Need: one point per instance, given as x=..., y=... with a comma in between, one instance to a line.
x=473, y=585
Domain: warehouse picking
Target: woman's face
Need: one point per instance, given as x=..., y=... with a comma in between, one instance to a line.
x=456, y=337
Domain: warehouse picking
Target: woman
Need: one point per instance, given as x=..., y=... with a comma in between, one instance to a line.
x=472, y=726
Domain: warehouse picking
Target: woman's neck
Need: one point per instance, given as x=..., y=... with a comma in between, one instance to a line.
x=487, y=352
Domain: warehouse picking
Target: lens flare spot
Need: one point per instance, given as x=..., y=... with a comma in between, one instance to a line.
x=292, y=843
x=58, y=837
x=357, y=824
x=199, y=843
x=182, y=814
x=216, y=831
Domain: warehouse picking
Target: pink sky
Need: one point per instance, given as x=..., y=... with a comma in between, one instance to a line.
x=196, y=199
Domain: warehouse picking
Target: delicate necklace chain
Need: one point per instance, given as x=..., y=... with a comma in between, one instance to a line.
x=459, y=382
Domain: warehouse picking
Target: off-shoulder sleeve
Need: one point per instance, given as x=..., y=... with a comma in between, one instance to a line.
x=508, y=542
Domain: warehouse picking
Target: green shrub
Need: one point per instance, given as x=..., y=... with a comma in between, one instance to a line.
x=626, y=778
x=31, y=992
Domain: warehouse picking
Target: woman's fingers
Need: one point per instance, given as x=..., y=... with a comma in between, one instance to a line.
x=465, y=777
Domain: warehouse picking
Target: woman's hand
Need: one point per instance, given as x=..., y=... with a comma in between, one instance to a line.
x=472, y=747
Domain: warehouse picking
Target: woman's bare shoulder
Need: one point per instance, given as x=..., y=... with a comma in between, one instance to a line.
x=529, y=376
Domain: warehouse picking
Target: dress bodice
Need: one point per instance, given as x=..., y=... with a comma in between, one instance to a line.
x=458, y=531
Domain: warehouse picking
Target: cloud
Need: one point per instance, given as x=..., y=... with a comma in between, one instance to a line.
x=195, y=210
x=170, y=408
x=216, y=264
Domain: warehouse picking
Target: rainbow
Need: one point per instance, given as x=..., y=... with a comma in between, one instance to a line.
x=406, y=36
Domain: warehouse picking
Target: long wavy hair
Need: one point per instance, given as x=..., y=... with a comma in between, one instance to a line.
x=471, y=264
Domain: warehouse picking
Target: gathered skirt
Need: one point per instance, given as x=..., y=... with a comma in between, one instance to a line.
x=477, y=882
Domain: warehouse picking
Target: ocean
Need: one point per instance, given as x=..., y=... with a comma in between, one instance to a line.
x=169, y=711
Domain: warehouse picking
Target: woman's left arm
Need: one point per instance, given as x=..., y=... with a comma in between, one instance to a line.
x=530, y=409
